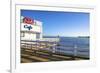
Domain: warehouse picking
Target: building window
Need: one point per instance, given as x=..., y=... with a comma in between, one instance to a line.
x=38, y=36
x=22, y=34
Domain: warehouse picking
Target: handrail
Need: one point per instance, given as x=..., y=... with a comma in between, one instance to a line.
x=52, y=47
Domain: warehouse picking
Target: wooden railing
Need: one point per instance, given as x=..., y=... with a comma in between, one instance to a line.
x=53, y=47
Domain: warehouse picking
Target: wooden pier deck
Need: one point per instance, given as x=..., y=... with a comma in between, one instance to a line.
x=42, y=51
x=29, y=56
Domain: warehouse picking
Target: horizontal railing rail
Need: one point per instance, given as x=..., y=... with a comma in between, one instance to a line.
x=53, y=47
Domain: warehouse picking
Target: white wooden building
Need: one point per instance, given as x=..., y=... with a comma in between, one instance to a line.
x=31, y=29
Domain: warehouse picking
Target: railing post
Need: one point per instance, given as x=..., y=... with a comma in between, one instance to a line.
x=54, y=47
x=75, y=50
x=31, y=44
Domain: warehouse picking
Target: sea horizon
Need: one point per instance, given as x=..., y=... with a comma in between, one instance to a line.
x=64, y=36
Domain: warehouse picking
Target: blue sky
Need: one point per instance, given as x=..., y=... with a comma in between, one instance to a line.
x=61, y=23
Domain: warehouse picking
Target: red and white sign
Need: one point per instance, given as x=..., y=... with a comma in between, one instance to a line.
x=28, y=20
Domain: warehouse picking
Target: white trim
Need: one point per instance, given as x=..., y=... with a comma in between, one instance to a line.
x=15, y=56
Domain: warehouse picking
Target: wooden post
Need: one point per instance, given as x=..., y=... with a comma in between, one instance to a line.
x=75, y=51
x=31, y=44
x=54, y=48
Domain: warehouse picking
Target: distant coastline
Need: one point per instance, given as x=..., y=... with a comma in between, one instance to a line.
x=66, y=36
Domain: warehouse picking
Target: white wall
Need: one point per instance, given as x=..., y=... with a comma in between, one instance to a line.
x=36, y=28
x=28, y=36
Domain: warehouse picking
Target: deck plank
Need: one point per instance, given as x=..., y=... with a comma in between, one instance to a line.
x=24, y=60
x=35, y=57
